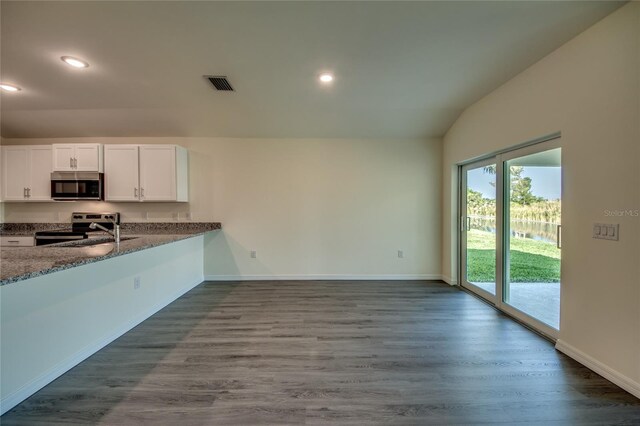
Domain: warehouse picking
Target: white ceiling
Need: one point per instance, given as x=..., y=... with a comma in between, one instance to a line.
x=403, y=69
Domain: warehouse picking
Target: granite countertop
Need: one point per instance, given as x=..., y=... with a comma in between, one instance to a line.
x=21, y=263
x=29, y=229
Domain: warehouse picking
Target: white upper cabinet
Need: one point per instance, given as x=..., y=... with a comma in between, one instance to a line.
x=88, y=158
x=63, y=157
x=121, y=182
x=146, y=173
x=85, y=157
x=40, y=173
x=26, y=173
x=158, y=172
x=15, y=173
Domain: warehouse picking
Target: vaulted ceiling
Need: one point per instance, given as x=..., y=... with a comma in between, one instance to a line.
x=402, y=69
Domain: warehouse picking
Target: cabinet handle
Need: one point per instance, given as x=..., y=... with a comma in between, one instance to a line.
x=71, y=162
x=13, y=241
x=24, y=192
x=135, y=192
x=75, y=163
x=141, y=192
x=28, y=192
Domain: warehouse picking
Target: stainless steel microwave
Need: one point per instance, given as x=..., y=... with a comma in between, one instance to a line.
x=77, y=186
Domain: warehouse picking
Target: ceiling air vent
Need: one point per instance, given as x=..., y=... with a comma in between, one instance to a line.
x=220, y=82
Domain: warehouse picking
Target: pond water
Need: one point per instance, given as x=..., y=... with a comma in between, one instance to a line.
x=539, y=231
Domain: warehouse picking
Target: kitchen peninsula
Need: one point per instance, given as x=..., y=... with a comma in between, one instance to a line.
x=61, y=303
x=22, y=263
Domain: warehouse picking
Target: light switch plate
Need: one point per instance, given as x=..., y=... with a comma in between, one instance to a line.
x=606, y=231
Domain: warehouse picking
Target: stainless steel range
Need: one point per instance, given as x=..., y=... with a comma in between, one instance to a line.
x=80, y=228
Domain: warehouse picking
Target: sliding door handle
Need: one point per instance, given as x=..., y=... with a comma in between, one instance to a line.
x=559, y=237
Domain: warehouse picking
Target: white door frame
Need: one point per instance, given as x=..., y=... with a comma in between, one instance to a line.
x=500, y=159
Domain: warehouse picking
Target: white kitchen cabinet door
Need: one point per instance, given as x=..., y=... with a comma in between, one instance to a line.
x=158, y=173
x=63, y=157
x=87, y=157
x=26, y=173
x=15, y=173
x=39, y=188
x=80, y=157
x=121, y=178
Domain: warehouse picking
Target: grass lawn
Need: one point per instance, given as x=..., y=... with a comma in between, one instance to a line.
x=531, y=261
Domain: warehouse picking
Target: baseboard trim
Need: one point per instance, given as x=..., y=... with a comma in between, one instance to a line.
x=605, y=371
x=38, y=383
x=449, y=280
x=322, y=277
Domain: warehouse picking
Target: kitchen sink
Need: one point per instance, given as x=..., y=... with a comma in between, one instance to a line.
x=93, y=242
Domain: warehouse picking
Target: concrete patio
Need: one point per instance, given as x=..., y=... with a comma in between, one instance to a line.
x=539, y=300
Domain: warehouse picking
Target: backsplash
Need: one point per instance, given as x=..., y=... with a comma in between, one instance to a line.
x=60, y=212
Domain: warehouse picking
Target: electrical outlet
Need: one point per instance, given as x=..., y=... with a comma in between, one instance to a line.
x=253, y=254
x=400, y=254
x=136, y=283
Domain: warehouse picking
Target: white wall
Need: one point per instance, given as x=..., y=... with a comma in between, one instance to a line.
x=51, y=323
x=310, y=208
x=589, y=89
x=1, y=203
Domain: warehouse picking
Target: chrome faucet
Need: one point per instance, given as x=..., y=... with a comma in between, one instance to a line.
x=115, y=233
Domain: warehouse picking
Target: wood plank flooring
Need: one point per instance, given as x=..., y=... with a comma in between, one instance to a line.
x=328, y=353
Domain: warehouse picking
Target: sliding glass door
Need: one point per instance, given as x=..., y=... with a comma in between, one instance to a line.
x=532, y=230
x=510, y=232
x=478, y=227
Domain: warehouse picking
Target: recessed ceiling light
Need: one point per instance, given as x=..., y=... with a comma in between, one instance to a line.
x=9, y=87
x=326, y=78
x=74, y=62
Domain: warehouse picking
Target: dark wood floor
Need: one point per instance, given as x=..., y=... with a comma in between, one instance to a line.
x=328, y=352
